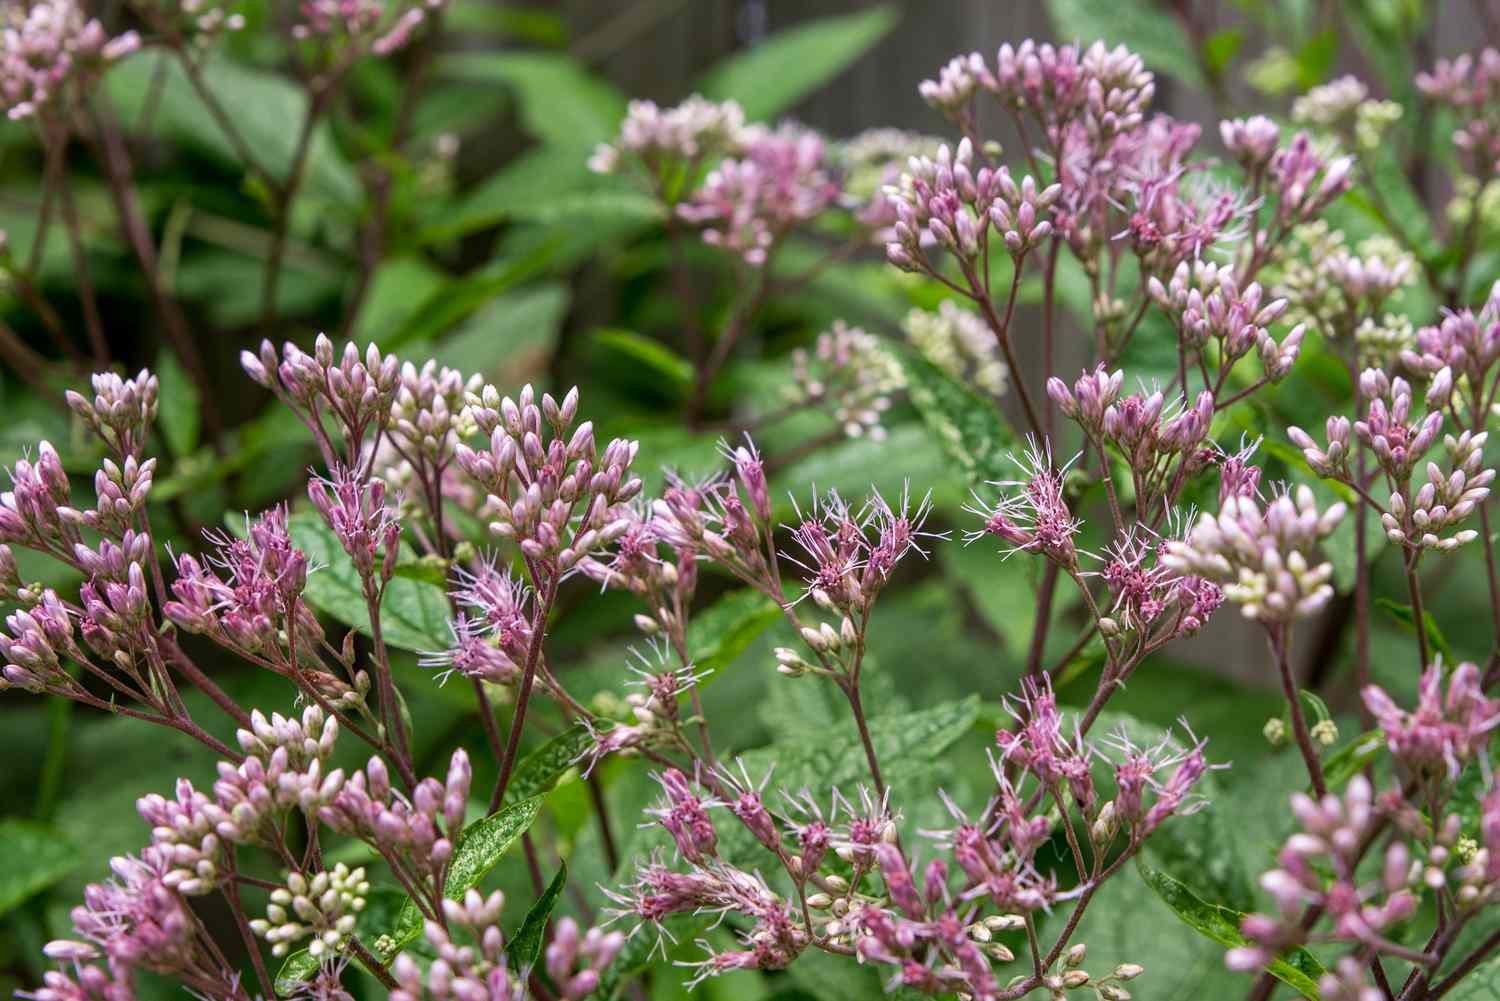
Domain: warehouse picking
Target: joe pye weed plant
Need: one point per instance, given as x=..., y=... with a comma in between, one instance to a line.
x=1104, y=333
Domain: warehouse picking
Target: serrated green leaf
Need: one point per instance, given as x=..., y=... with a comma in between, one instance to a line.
x=772, y=76
x=382, y=905
x=967, y=427
x=538, y=772
x=1480, y=984
x=525, y=947
x=1296, y=968
x=479, y=849
x=905, y=744
x=37, y=856
x=413, y=615
x=718, y=634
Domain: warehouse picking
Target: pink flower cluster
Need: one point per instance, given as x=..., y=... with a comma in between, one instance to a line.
x=1442, y=734
x=51, y=51
x=363, y=23
x=1332, y=839
x=748, y=203
x=1470, y=85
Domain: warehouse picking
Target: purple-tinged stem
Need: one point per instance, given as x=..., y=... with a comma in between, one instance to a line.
x=1419, y=616
x=1278, y=637
x=523, y=695
x=857, y=707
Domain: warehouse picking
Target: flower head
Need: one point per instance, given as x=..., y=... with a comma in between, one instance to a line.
x=50, y=53
x=1262, y=553
x=1442, y=733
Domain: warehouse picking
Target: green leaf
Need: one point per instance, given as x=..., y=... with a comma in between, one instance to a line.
x=1154, y=34
x=427, y=569
x=179, y=414
x=265, y=108
x=718, y=634
x=967, y=426
x=37, y=856
x=532, y=179
x=1296, y=968
x=510, y=340
x=1406, y=618
x=478, y=850
x=1127, y=923
x=399, y=286
x=527, y=24
x=538, y=772
x=1351, y=759
x=525, y=947
x=645, y=357
x=414, y=613
x=1004, y=593
x=226, y=285
x=1316, y=57
x=905, y=744
x=1220, y=48
x=771, y=77
x=1480, y=984
x=856, y=465
x=549, y=184
x=382, y=905
x=452, y=303
x=560, y=100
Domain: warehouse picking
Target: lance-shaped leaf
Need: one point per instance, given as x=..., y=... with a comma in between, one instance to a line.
x=538, y=772
x=1297, y=968
x=479, y=848
x=771, y=77
x=525, y=947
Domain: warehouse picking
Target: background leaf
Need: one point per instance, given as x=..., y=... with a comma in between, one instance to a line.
x=771, y=77
x=266, y=109
x=967, y=427
x=178, y=416
x=36, y=856
x=413, y=615
x=560, y=100
x=1144, y=27
x=905, y=743
x=718, y=634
